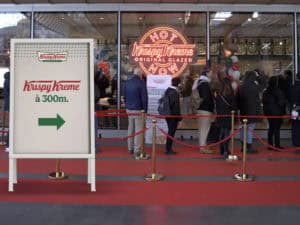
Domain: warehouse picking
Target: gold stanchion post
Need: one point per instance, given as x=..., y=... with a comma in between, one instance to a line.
x=143, y=155
x=58, y=174
x=232, y=156
x=243, y=176
x=154, y=176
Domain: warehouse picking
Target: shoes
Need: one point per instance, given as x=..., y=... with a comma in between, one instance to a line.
x=279, y=147
x=130, y=152
x=252, y=151
x=206, y=151
x=6, y=149
x=170, y=152
x=297, y=151
x=137, y=155
x=226, y=154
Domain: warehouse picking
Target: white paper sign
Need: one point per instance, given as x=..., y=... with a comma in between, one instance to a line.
x=156, y=86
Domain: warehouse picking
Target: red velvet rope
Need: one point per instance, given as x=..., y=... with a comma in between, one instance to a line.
x=200, y=146
x=116, y=113
x=121, y=138
x=271, y=146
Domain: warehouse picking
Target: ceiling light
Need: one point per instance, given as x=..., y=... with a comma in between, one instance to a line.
x=101, y=18
x=140, y=18
x=179, y=18
x=249, y=19
x=255, y=15
x=281, y=43
x=223, y=15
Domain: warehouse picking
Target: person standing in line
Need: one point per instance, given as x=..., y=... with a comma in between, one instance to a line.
x=6, y=90
x=97, y=107
x=274, y=105
x=249, y=103
x=136, y=100
x=205, y=109
x=173, y=96
x=225, y=103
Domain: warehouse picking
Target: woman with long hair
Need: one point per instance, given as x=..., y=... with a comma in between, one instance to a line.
x=225, y=103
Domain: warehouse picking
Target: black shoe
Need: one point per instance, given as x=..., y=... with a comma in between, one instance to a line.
x=130, y=152
x=170, y=152
x=279, y=147
x=252, y=151
x=226, y=154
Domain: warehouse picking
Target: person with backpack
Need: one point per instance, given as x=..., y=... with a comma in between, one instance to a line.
x=174, y=108
x=205, y=109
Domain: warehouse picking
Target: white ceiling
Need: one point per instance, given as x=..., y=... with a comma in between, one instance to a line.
x=153, y=1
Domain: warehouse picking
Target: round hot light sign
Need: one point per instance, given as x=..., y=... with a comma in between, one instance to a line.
x=163, y=50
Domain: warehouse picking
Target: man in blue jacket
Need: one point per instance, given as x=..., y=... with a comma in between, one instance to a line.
x=136, y=100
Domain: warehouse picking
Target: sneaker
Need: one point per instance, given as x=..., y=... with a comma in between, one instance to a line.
x=6, y=149
x=206, y=151
x=137, y=155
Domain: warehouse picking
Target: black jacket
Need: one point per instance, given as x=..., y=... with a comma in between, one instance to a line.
x=174, y=101
x=224, y=106
x=206, y=94
x=273, y=102
x=248, y=99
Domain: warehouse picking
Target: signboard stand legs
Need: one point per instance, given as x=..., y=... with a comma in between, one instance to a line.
x=12, y=175
x=92, y=174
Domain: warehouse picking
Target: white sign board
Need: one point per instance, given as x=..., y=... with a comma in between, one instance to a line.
x=52, y=98
x=156, y=86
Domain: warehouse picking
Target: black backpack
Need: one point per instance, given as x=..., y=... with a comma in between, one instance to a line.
x=164, y=105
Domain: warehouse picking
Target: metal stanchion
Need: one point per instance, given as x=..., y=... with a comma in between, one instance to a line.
x=58, y=174
x=154, y=176
x=143, y=155
x=232, y=156
x=243, y=176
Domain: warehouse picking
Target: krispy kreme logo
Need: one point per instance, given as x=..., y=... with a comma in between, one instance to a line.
x=47, y=86
x=163, y=50
x=52, y=57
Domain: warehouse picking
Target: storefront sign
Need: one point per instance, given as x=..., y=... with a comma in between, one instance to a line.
x=163, y=50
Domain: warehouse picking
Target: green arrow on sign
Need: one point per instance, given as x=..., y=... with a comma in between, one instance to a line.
x=58, y=121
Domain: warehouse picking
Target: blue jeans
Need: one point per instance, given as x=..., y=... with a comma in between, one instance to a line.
x=250, y=126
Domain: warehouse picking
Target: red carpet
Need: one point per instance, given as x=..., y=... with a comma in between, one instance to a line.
x=117, y=162
x=156, y=193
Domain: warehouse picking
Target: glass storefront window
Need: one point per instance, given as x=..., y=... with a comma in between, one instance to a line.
x=262, y=41
x=134, y=25
x=12, y=25
x=259, y=40
x=102, y=27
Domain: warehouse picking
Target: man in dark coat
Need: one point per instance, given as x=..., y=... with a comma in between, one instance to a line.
x=274, y=105
x=249, y=103
x=174, y=103
x=136, y=101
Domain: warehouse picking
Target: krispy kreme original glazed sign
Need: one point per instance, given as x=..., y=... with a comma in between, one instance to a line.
x=163, y=50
